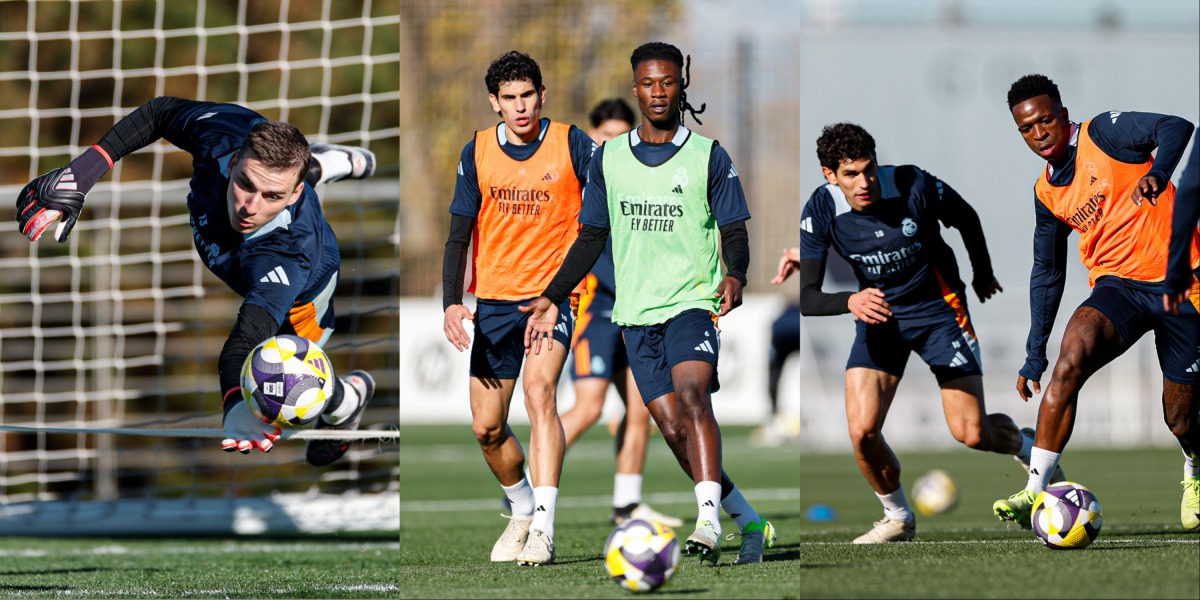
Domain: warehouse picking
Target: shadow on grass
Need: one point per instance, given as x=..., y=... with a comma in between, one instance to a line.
x=35, y=588
x=50, y=572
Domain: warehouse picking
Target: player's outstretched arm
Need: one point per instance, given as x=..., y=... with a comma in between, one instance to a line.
x=243, y=430
x=815, y=302
x=60, y=193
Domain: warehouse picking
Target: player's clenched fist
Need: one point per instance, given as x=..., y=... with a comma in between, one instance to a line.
x=50, y=196
x=243, y=430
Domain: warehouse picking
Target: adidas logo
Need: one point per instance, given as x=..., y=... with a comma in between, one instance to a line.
x=732, y=172
x=959, y=360
x=1034, y=471
x=206, y=115
x=708, y=503
x=734, y=515
x=1195, y=368
x=806, y=224
x=276, y=275
x=561, y=328
x=1113, y=115
x=66, y=181
x=678, y=189
x=547, y=177
x=541, y=508
x=705, y=346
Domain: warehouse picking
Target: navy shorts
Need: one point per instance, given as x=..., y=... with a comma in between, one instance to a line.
x=499, y=345
x=597, y=349
x=653, y=349
x=1134, y=311
x=949, y=346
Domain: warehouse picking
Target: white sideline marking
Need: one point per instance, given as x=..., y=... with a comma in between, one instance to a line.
x=933, y=542
x=217, y=434
x=223, y=549
x=493, y=504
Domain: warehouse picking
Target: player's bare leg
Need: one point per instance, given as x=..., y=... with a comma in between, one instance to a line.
x=489, y=422
x=966, y=415
x=546, y=446
x=631, y=458
x=1090, y=342
x=631, y=454
x=869, y=395
x=589, y=404
x=490, y=400
x=1181, y=410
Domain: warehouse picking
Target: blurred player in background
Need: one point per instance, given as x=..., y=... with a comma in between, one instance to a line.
x=1104, y=180
x=599, y=357
x=665, y=192
x=785, y=341
x=1180, y=280
x=884, y=220
x=256, y=223
x=517, y=199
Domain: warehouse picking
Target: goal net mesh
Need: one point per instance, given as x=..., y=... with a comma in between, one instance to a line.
x=109, y=407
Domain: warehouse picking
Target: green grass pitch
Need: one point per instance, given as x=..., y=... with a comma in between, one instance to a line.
x=326, y=566
x=450, y=517
x=1141, y=552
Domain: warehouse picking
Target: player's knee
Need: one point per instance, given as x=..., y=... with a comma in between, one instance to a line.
x=489, y=434
x=1181, y=424
x=540, y=400
x=971, y=437
x=693, y=401
x=1069, y=368
x=863, y=438
x=673, y=432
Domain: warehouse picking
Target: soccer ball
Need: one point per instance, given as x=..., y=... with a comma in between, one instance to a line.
x=1066, y=516
x=935, y=493
x=286, y=381
x=641, y=555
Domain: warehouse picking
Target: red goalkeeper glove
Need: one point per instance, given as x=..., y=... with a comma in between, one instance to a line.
x=243, y=430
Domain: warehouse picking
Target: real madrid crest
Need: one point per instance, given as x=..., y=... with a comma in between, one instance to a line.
x=908, y=226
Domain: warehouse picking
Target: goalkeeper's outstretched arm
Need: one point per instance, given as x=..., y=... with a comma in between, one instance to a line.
x=60, y=192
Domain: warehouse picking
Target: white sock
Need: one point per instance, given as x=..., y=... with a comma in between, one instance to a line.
x=708, y=498
x=334, y=164
x=739, y=509
x=895, y=506
x=350, y=400
x=1191, y=466
x=1026, y=448
x=1041, y=467
x=627, y=489
x=520, y=498
x=544, y=498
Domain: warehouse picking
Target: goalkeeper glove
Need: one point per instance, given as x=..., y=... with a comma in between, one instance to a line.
x=244, y=430
x=59, y=193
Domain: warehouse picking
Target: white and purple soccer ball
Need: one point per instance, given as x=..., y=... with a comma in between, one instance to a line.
x=286, y=381
x=640, y=555
x=1066, y=516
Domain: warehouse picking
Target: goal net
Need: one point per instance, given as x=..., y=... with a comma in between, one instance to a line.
x=109, y=407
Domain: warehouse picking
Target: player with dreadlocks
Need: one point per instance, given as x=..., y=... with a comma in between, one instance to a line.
x=667, y=193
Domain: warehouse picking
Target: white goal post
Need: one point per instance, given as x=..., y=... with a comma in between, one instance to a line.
x=109, y=408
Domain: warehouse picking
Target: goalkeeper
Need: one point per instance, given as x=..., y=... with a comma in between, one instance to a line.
x=256, y=223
